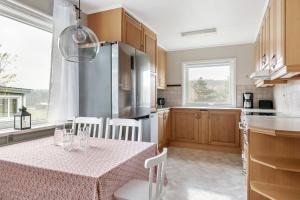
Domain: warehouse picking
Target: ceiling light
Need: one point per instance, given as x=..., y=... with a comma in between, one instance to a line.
x=198, y=32
x=78, y=43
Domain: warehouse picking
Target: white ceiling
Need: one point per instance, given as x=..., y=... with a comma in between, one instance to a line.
x=237, y=21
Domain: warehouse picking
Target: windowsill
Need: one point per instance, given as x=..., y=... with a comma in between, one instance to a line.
x=34, y=128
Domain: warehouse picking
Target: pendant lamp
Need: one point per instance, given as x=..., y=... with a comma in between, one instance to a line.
x=78, y=43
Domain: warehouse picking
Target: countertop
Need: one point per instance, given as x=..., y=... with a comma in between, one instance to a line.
x=207, y=108
x=275, y=125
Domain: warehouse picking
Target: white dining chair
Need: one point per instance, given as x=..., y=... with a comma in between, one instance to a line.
x=146, y=190
x=95, y=125
x=115, y=129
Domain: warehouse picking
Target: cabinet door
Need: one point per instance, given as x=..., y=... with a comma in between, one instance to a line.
x=153, y=92
x=132, y=32
x=185, y=124
x=267, y=42
x=203, y=127
x=272, y=34
x=257, y=54
x=161, y=68
x=167, y=127
x=150, y=47
x=224, y=128
x=279, y=59
x=160, y=130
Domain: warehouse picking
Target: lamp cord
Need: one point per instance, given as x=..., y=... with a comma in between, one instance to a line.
x=79, y=10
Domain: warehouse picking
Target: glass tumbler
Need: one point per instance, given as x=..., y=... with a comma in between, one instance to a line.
x=68, y=138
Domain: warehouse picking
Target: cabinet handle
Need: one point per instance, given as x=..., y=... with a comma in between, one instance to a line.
x=198, y=116
x=274, y=61
x=264, y=60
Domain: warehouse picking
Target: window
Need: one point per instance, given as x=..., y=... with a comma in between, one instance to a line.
x=209, y=83
x=25, y=64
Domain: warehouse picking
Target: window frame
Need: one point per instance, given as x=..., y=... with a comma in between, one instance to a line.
x=212, y=63
x=31, y=17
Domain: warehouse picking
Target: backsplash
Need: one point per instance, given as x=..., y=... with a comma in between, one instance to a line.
x=173, y=95
x=287, y=97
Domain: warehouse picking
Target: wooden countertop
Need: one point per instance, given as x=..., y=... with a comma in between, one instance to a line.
x=276, y=126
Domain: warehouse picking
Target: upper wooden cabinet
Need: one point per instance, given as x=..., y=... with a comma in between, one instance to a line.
x=118, y=25
x=150, y=47
x=153, y=92
x=161, y=68
x=278, y=40
x=132, y=32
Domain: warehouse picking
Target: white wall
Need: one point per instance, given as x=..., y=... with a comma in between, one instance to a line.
x=244, y=55
x=45, y=6
x=287, y=97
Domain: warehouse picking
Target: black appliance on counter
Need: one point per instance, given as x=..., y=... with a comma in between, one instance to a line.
x=266, y=104
x=248, y=100
x=161, y=102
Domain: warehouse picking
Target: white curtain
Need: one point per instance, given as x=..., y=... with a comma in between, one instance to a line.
x=64, y=84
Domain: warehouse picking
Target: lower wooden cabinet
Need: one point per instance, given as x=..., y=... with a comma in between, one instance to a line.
x=163, y=128
x=185, y=125
x=224, y=128
x=209, y=129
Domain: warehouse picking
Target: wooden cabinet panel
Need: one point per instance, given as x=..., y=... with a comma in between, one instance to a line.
x=163, y=128
x=161, y=131
x=132, y=32
x=257, y=53
x=167, y=126
x=279, y=13
x=292, y=31
x=150, y=47
x=185, y=126
x=224, y=128
x=153, y=92
x=161, y=68
x=203, y=127
x=107, y=25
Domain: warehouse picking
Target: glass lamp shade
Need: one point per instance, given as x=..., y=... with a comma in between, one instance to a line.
x=78, y=43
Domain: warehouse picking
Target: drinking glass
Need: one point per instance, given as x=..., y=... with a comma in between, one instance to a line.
x=83, y=134
x=68, y=138
x=58, y=133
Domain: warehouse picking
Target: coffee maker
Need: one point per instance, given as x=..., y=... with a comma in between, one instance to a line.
x=248, y=100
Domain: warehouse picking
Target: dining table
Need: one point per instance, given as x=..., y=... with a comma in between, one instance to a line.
x=40, y=170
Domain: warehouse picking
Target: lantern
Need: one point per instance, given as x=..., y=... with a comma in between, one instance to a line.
x=22, y=119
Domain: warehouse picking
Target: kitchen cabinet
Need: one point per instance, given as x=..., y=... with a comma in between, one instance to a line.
x=161, y=68
x=153, y=95
x=163, y=128
x=273, y=162
x=150, y=47
x=224, y=128
x=279, y=40
x=212, y=129
x=185, y=125
x=132, y=32
x=117, y=25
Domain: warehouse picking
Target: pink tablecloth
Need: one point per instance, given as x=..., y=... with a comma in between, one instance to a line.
x=38, y=170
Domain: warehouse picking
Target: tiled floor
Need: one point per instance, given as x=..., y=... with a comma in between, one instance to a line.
x=207, y=175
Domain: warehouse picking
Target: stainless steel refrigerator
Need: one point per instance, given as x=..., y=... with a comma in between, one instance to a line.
x=116, y=85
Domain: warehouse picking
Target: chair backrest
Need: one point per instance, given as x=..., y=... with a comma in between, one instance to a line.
x=157, y=172
x=95, y=125
x=118, y=125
